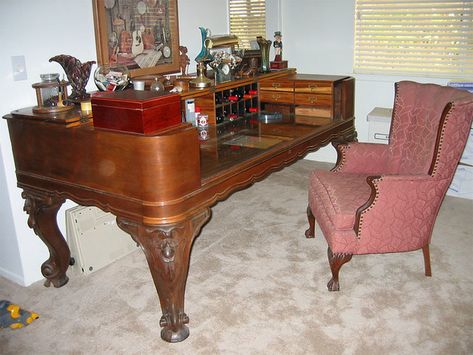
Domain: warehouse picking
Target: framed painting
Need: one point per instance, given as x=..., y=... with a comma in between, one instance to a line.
x=142, y=35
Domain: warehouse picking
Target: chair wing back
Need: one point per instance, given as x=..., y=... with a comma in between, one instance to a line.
x=452, y=138
x=420, y=110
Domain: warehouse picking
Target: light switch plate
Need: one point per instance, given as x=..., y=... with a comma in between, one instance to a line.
x=19, y=67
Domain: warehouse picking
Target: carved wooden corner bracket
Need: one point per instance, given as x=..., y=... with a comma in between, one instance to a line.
x=42, y=208
x=35, y=202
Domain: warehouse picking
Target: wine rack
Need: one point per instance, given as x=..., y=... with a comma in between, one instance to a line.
x=232, y=100
x=237, y=102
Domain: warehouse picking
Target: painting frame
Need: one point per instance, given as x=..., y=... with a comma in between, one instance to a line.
x=153, y=26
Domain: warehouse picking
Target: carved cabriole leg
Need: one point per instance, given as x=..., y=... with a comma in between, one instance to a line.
x=42, y=209
x=336, y=261
x=310, y=233
x=167, y=249
x=426, y=251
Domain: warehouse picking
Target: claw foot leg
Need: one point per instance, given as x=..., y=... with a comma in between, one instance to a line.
x=336, y=261
x=310, y=232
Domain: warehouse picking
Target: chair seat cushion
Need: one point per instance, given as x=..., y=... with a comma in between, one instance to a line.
x=339, y=194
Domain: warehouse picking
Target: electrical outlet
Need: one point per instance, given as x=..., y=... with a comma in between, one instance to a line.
x=19, y=67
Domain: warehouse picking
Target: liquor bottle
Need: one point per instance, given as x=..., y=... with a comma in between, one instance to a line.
x=232, y=97
x=218, y=98
x=225, y=95
x=220, y=118
x=239, y=92
x=232, y=117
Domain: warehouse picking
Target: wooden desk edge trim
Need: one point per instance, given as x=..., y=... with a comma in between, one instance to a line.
x=249, y=173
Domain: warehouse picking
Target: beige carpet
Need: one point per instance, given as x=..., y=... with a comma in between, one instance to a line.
x=257, y=286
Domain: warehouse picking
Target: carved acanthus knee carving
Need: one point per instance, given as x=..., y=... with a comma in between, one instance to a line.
x=42, y=208
x=167, y=249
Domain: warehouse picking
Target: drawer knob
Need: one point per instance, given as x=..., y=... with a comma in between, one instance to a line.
x=276, y=97
x=313, y=99
x=313, y=86
x=276, y=85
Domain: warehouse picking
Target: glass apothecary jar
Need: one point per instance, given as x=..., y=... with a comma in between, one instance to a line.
x=51, y=94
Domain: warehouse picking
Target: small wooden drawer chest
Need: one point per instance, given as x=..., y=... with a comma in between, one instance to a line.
x=309, y=95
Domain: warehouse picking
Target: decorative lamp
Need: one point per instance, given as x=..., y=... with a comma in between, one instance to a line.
x=51, y=94
x=201, y=81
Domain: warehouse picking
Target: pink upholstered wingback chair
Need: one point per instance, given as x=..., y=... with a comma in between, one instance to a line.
x=385, y=198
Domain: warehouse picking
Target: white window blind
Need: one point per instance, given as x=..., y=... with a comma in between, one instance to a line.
x=422, y=37
x=247, y=20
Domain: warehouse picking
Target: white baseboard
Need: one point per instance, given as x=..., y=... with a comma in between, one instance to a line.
x=12, y=277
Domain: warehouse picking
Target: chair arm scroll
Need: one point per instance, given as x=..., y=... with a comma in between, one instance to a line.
x=362, y=158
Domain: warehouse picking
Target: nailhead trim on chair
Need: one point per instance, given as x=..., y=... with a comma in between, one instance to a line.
x=442, y=136
x=343, y=149
x=360, y=224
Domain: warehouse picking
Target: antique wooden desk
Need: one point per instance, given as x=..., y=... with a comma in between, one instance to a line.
x=160, y=186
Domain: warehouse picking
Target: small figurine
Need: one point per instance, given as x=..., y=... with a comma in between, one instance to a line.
x=277, y=44
x=12, y=316
x=278, y=63
x=184, y=60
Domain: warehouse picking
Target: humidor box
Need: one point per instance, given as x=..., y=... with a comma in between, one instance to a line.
x=135, y=111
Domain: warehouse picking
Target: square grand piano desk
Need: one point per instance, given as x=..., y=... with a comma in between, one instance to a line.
x=160, y=186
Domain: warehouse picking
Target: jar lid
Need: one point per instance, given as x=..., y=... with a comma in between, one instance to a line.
x=49, y=77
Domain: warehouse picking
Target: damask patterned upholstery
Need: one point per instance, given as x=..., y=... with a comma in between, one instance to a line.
x=385, y=198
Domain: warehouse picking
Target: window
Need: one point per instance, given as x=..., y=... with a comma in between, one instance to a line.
x=247, y=20
x=422, y=37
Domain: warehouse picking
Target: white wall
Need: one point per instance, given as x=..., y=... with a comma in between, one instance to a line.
x=22, y=253
x=39, y=30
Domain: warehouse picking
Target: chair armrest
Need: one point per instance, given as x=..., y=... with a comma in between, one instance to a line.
x=400, y=214
x=362, y=158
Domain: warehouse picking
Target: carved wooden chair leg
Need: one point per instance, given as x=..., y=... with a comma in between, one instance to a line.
x=426, y=251
x=336, y=261
x=310, y=233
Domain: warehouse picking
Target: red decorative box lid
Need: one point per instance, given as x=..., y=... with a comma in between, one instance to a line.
x=133, y=99
x=136, y=111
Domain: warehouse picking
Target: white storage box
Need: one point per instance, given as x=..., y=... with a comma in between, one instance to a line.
x=462, y=183
x=467, y=157
x=379, y=123
x=95, y=239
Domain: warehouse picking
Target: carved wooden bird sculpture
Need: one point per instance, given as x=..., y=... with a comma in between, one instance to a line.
x=77, y=73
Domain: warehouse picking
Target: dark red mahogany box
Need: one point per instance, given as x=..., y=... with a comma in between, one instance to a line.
x=135, y=111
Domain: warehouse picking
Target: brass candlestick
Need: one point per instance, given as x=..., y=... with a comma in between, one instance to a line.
x=201, y=81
